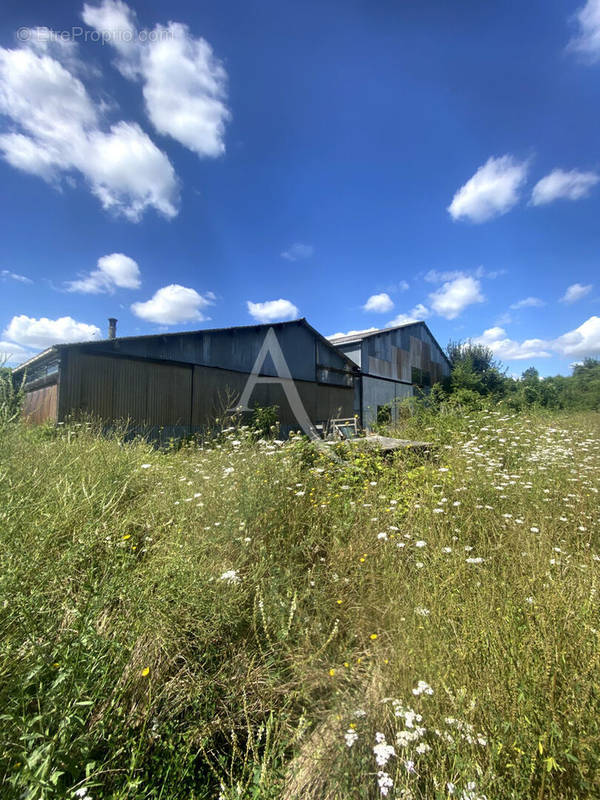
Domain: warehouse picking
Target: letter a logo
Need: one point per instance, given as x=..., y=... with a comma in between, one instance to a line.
x=271, y=347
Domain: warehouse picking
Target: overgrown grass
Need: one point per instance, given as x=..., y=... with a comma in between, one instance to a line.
x=247, y=621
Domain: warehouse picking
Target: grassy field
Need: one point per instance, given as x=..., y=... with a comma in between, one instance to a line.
x=252, y=620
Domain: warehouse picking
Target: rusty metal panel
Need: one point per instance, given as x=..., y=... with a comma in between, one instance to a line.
x=377, y=366
x=416, y=351
x=405, y=354
x=425, y=354
x=40, y=405
x=398, y=362
x=402, y=365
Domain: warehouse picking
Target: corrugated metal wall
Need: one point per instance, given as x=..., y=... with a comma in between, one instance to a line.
x=151, y=394
x=406, y=356
x=180, y=398
x=353, y=351
x=40, y=405
x=394, y=353
x=378, y=392
x=126, y=378
x=216, y=389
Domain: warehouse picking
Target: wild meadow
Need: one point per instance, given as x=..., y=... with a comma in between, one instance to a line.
x=251, y=619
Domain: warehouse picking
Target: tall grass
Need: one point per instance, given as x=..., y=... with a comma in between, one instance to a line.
x=251, y=620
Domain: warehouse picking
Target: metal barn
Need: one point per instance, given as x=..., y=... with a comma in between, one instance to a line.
x=176, y=383
x=393, y=362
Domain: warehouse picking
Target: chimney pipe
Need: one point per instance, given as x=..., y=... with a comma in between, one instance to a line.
x=112, y=328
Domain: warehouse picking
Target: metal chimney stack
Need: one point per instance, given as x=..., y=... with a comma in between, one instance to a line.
x=112, y=328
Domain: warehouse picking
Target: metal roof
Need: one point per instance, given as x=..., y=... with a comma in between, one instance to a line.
x=301, y=321
x=360, y=335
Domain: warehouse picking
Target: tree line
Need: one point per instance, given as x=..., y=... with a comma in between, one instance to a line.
x=477, y=375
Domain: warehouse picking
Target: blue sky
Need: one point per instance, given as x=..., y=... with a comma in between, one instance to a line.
x=188, y=165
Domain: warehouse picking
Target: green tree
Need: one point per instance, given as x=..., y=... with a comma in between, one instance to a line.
x=586, y=384
x=531, y=376
x=474, y=368
x=580, y=391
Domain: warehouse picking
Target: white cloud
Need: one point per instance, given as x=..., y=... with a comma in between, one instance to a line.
x=559, y=184
x=503, y=319
x=6, y=274
x=351, y=333
x=174, y=304
x=272, y=310
x=528, y=302
x=379, y=303
x=493, y=190
x=45, y=40
x=114, y=270
x=184, y=85
x=401, y=286
x=59, y=132
x=434, y=276
x=298, y=251
x=575, y=292
x=480, y=272
x=116, y=22
x=129, y=174
x=587, y=41
x=41, y=333
x=582, y=342
x=10, y=353
x=418, y=313
x=504, y=347
x=455, y=295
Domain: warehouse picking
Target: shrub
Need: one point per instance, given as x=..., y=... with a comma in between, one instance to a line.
x=11, y=397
